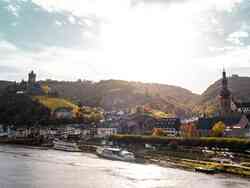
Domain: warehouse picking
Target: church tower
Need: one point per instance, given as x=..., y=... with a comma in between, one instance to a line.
x=225, y=96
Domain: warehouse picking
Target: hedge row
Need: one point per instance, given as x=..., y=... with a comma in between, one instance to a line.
x=235, y=144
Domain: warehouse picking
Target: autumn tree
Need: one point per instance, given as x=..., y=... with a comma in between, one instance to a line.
x=46, y=89
x=189, y=130
x=96, y=117
x=158, y=132
x=218, y=129
x=88, y=115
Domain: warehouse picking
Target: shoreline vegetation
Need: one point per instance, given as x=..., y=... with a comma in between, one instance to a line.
x=231, y=143
x=171, y=156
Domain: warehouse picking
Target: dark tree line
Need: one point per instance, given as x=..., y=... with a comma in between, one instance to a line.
x=22, y=110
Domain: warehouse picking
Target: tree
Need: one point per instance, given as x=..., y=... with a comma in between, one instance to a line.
x=88, y=115
x=189, y=130
x=158, y=132
x=19, y=110
x=218, y=129
x=210, y=110
x=96, y=117
x=46, y=89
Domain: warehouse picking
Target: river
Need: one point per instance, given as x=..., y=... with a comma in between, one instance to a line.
x=33, y=168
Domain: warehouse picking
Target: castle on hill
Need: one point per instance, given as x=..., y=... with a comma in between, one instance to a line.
x=30, y=87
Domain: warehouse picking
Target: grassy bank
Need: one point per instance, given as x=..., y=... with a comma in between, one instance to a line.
x=53, y=102
x=190, y=164
x=224, y=168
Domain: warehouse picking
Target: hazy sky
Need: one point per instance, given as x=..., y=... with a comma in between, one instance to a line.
x=177, y=42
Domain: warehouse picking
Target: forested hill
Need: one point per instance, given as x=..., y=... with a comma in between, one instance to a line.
x=239, y=87
x=118, y=94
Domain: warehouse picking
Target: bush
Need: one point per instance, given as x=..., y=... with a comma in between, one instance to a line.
x=173, y=145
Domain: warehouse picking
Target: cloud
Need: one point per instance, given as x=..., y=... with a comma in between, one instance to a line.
x=197, y=4
x=236, y=37
x=13, y=9
x=31, y=27
x=162, y=41
x=6, y=46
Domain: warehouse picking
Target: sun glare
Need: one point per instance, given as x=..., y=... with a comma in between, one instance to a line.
x=148, y=37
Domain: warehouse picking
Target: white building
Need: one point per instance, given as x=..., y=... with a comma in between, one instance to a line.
x=106, y=131
x=63, y=113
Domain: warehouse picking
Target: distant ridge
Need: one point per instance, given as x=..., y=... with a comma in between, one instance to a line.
x=119, y=94
x=239, y=87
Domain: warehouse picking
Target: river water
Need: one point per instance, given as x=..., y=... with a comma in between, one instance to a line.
x=33, y=168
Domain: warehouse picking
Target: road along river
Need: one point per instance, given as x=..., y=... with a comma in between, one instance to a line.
x=33, y=168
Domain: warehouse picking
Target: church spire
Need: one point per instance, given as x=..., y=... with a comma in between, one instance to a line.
x=224, y=79
x=225, y=96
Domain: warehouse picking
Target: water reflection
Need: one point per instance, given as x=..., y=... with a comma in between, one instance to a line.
x=28, y=168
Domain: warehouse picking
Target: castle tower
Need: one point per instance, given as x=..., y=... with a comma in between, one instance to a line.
x=225, y=96
x=32, y=78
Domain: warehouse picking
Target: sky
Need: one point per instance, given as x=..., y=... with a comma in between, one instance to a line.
x=177, y=42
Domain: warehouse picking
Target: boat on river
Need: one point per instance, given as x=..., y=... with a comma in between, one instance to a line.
x=115, y=154
x=206, y=170
x=65, y=146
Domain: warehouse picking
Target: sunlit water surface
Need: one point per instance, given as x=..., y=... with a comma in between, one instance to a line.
x=32, y=168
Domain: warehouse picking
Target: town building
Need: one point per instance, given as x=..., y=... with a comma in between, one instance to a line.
x=144, y=124
x=170, y=126
x=235, y=125
x=240, y=129
x=63, y=113
x=137, y=124
x=243, y=107
x=104, y=130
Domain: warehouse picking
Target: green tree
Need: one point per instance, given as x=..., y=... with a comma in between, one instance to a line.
x=19, y=110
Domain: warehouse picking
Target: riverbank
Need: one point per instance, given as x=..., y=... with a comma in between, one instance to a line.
x=22, y=141
x=168, y=159
x=171, y=161
x=192, y=165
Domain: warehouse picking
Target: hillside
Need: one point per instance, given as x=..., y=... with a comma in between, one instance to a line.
x=21, y=110
x=239, y=87
x=3, y=85
x=53, y=103
x=118, y=94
